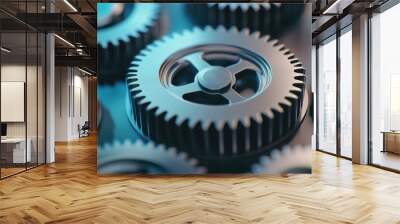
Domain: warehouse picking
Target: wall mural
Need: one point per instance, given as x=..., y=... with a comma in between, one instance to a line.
x=204, y=88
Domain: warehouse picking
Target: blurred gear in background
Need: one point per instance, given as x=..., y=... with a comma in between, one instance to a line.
x=267, y=18
x=217, y=93
x=288, y=160
x=144, y=158
x=123, y=30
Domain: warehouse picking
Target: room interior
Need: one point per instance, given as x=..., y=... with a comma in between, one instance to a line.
x=48, y=92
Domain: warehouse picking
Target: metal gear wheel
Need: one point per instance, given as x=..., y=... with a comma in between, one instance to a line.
x=139, y=157
x=216, y=92
x=288, y=160
x=123, y=30
x=268, y=18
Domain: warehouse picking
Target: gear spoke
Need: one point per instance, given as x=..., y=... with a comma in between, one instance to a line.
x=233, y=96
x=241, y=65
x=197, y=61
x=184, y=89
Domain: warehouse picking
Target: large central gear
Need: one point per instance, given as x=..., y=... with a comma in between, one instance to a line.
x=216, y=92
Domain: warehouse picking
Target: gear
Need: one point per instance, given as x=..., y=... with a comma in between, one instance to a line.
x=123, y=30
x=216, y=92
x=268, y=18
x=289, y=160
x=147, y=158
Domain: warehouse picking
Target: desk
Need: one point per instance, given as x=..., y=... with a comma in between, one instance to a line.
x=13, y=150
x=391, y=141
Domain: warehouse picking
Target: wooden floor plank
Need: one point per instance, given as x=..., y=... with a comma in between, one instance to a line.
x=69, y=191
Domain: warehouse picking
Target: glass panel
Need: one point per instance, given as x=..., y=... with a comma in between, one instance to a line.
x=41, y=99
x=346, y=94
x=327, y=96
x=385, y=84
x=13, y=89
x=31, y=97
x=32, y=88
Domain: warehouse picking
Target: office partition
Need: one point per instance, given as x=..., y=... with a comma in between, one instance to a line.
x=22, y=77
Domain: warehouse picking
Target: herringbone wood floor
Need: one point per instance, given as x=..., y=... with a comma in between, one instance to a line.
x=70, y=191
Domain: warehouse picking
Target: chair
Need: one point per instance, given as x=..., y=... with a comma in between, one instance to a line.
x=84, y=130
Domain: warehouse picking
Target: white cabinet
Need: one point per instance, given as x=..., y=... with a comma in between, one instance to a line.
x=19, y=155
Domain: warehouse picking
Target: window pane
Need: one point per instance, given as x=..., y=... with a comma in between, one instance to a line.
x=385, y=84
x=327, y=97
x=14, y=153
x=346, y=94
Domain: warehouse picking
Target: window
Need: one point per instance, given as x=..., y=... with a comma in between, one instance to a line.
x=385, y=89
x=346, y=93
x=22, y=77
x=326, y=94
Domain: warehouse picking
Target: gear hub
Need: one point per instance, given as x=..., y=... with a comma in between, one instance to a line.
x=216, y=92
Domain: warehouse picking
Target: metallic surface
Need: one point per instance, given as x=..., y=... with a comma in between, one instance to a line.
x=147, y=158
x=119, y=41
x=268, y=18
x=288, y=160
x=237, y=128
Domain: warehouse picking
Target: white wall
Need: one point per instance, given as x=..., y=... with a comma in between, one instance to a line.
x=17, y=73
x=33, y=126
x=71, y=94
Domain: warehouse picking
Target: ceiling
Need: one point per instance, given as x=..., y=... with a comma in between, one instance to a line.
x=75, y=21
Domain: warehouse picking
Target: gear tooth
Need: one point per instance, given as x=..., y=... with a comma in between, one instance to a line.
x=258, y=118
x=286, y=150
x=189, y=32
x=172, y=151
x=275, y=154
x=269, y=113
x=205, y=124
x=293, y=95
x=298, y=88
x=183, y=156
x=245, y=122
x=279, y=109
x=193, y=162
x=290, y=56
x=300, y=71
x=281, y=47
x=264, y=160
x=180, y=120
x=208, y=29
x=233, y=124
x=256, y=34
x=166, y=38
x=234, y=29
x=246, y=31
x=287, y=102
x=298, y=65
x=221, y=29
x=220, y=125
x=266, y=38
x=274, y=42
x=286, y=51
x=192, y=123
x=196, y=30
x=201, y=170
x=176, y=35
x=169, y=116
x=139, y=144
